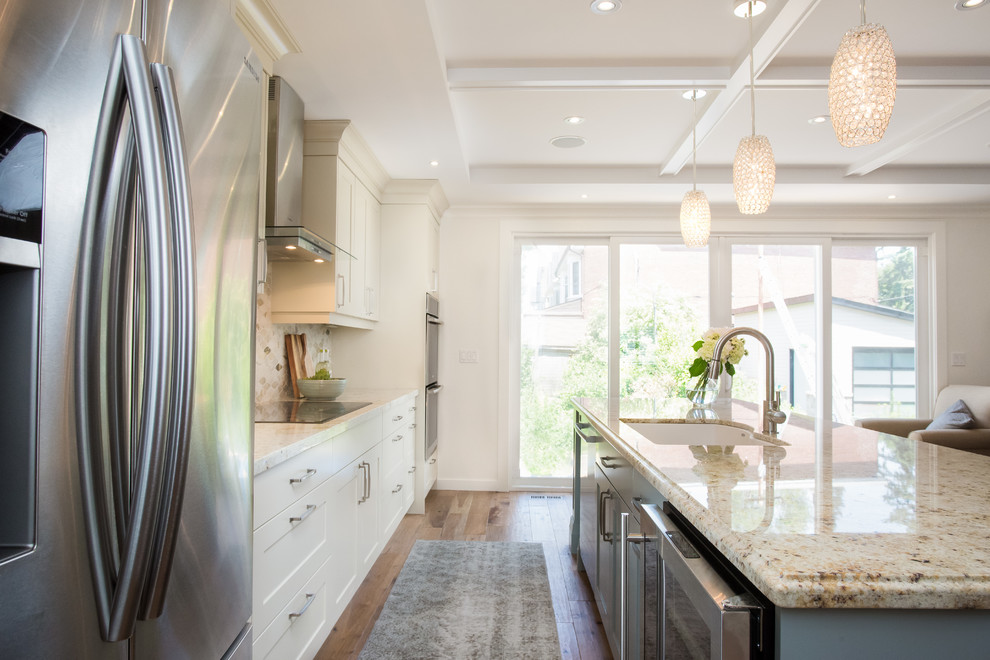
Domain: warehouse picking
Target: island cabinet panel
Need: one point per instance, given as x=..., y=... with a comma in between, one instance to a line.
x=826, y=633
x=600, y=503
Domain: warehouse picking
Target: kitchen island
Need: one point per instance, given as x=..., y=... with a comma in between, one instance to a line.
x=864, y=542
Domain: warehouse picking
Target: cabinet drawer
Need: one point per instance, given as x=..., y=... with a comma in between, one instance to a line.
x=399, y=415
x=300, y=635
x=287, y=551
x=432, y=467
x=279, y=487
x=394, y=450
x=355, y=441
x=395, y=486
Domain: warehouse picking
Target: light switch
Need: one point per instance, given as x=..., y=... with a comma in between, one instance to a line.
x=958, y=359
x=468, y=356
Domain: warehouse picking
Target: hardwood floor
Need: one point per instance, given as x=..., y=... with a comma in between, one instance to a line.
x=483, y=516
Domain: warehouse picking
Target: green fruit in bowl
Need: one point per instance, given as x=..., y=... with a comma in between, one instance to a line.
x=321, y=374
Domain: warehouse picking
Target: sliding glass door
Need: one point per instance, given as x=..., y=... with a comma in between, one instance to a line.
x=616, y=316
x=875, y=331
x=563, y=351
x=663, y=310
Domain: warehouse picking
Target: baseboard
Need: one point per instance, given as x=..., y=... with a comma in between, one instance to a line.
x=468, y=484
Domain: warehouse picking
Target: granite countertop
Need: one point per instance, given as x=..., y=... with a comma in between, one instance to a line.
x=275, y=443
x=828, y=515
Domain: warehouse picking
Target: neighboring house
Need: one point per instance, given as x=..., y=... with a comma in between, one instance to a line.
x=872, y=356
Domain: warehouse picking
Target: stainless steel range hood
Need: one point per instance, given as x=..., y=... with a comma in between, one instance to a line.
x=287, y=237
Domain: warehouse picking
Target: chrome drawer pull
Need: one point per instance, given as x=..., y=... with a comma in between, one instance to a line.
x=309, y=601
x=412, y=470
x=433, y=461
x=298, y=480
x=397, y=438
x=397, y=489
x=412, y=426
x=605, y=460
x=310, y=508
x=397, y=418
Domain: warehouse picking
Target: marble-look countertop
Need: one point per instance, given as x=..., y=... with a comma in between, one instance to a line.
x=829, y=515
x=274, y=443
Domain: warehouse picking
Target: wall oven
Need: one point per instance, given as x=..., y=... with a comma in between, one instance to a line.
x=695, y=604
x=433, y=387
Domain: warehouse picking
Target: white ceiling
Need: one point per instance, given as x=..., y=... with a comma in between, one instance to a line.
x=482, y=87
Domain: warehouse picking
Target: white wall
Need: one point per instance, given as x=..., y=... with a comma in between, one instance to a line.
x=471, y=421
x=469, y=306
x=967, y=283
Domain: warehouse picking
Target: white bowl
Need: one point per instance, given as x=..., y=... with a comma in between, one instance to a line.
x=321, y=389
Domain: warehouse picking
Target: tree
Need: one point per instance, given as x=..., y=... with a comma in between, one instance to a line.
x=654, y=352
x=895, y=281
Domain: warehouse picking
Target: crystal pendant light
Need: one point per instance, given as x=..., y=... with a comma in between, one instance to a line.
x=753, y=170
x=696, y=216
x=862, y=84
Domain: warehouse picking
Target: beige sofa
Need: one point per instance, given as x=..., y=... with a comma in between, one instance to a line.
x=975, y=439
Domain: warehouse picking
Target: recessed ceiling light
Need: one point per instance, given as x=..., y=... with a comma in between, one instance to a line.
x=584, y=195
x=820, y=119
x=290, y=247
x=606, y=6
x=319, y=261
x=568, y=141
x=692, y=94
x=963, y=5
x=434, y=163
x=891, y=196
x=741, y=7
x=573, y=120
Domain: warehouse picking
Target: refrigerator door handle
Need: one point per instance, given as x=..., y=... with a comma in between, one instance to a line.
x=180, y=364
x=133, y=435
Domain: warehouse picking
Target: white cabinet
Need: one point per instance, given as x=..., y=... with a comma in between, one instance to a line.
x=321, y=521
x=394, y=354
x=398, y=462
x=342, y=190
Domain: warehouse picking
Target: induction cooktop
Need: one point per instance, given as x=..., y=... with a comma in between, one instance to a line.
x=304, y=411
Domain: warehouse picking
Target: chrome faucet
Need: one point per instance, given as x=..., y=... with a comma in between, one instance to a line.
x=772, y=414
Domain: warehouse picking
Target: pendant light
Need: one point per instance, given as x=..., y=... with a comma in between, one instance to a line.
x=696, y=216
x=753, y=170
x=862, y=84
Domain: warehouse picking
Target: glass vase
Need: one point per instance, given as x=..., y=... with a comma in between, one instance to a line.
x=704, y=393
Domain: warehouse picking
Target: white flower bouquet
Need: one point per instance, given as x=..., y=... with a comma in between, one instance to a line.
x=705, y=348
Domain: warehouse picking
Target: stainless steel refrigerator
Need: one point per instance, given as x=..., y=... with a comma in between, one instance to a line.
x=129, y=178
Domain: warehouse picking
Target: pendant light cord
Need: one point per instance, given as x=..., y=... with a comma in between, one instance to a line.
x=694, y=141
x=862, y=12
x=752, y=75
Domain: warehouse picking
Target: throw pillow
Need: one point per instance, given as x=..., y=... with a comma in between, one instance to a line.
x=956, y=416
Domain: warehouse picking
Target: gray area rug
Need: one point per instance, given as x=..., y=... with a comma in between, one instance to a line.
x=468, y=599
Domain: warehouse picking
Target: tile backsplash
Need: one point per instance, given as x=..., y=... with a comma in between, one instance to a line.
x=271, y=373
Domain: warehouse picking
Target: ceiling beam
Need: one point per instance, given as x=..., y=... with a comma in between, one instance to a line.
x=936, y=126
x=718, y=174
x=784, y=25
x=950, y=75
x=586, y=78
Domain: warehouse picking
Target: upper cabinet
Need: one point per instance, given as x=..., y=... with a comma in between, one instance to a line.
x=342, y=193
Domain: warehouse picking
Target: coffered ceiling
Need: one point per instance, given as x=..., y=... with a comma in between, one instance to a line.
x=482, y=87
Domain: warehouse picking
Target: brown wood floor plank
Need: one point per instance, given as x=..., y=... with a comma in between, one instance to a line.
x=569, y=648
x=437, y=505
x=589, y=630
x=477, y=517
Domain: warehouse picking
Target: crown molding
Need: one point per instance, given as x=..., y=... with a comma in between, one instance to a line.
x=265, y=29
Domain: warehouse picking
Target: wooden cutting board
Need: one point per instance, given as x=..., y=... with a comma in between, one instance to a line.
x=295, y=350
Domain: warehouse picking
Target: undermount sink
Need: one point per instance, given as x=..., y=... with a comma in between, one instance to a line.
x=663, y=433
